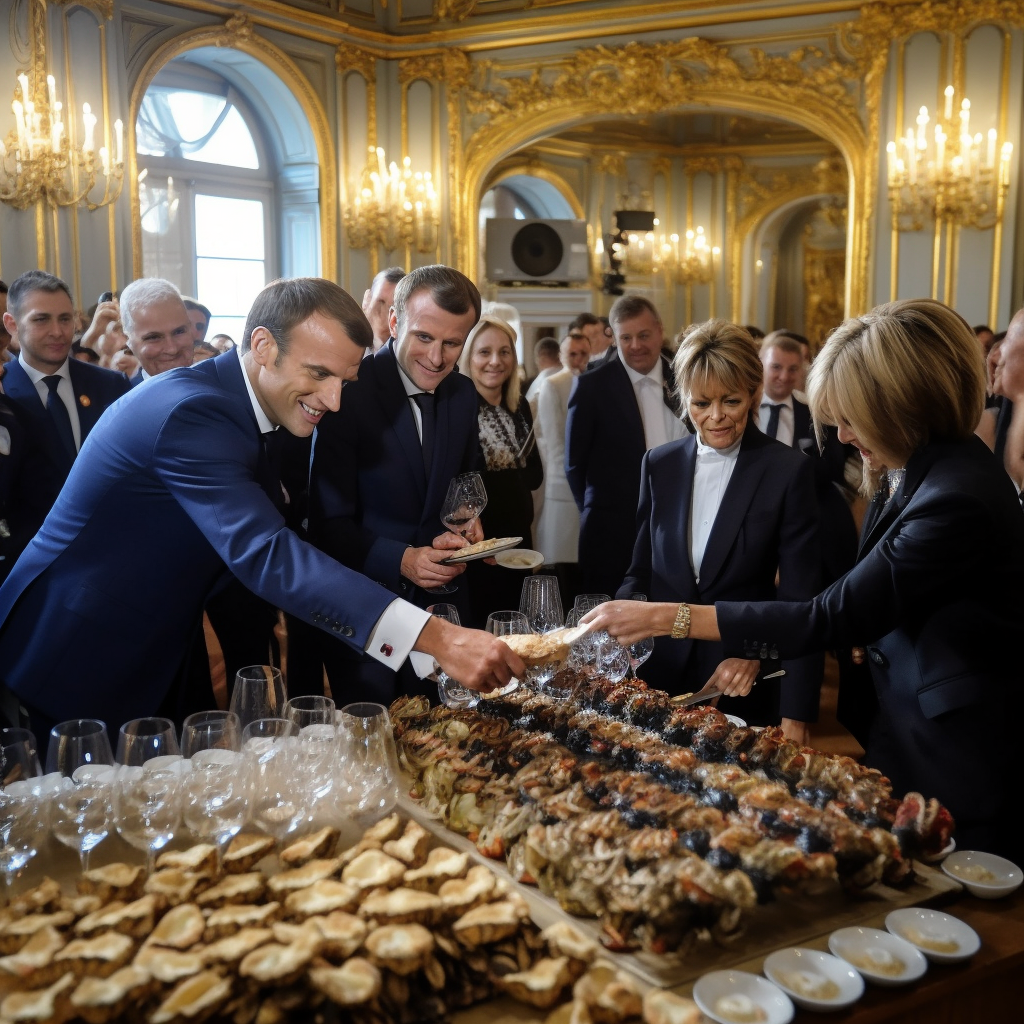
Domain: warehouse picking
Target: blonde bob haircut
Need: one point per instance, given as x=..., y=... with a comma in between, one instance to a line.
x=721, y=352
x=906, y=373
x=510, y=390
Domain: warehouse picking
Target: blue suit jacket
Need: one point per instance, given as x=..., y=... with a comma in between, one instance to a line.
x=95, y=390
x=369, y=496
x=767, y=523
x=136, y=379
x=604, y=446
x=179, y=469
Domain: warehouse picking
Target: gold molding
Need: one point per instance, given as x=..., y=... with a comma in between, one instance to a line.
x=288, y=71
x=535, y=169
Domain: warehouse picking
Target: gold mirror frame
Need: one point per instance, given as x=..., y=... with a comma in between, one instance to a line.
x=237, y=34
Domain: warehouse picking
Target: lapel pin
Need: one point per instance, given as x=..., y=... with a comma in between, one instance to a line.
x=85, y=401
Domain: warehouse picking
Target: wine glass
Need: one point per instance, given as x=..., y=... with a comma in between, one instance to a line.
x=216, y=798
x=597, y=653
x=452, y=694
x=270, y=750
x=147, y=806
x=542, y=606
x=642, y=649
x=81, y=811
x=259, y=692
x=305, y=711
x=24, y=823
x=507, y=623
x=466, y=499
x=321, y=772
x=372, y=761
x=77, y=742
x=145, y=738
x=20, y=757
x=211, y=730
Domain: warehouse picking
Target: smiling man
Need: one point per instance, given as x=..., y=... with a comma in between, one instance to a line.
x=186, y=456
x=157, y=326
x=381, y=468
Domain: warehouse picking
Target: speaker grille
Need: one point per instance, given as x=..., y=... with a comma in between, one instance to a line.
x=537, y=250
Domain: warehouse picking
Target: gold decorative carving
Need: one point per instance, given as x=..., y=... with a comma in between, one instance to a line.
x=453, y=10
x=661, y=165
x=612, y=163
x=237, y=28
x=702, y=165
x=103, y=9
x=355, y=58
x=824, y=274
x=429, y=68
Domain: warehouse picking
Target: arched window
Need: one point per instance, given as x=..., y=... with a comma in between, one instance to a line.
x=228, y=182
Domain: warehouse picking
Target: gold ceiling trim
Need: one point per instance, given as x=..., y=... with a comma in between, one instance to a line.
x=237, y=33
x=535, y=169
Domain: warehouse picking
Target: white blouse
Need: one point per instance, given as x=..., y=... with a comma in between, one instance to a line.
x=710, y=480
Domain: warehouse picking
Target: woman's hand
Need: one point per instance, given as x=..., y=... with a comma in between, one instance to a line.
x=797, y=732
x=627, y=622
x=734, y=677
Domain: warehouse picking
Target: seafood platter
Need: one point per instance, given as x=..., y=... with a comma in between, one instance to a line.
x=395, y=929
x=669, y=835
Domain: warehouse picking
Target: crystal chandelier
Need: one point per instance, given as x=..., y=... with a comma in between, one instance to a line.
x=687, y=260
x=39, y=162
x=393, y=207
x=948, y=174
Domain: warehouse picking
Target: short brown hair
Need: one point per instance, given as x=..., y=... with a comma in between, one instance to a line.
x=286, y=303
x=717, y=350
x=906, y=373
x=33, y=281
x=783, y=341
x=630, y=306
x=451, y=290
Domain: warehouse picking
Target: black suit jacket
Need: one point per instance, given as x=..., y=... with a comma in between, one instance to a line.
x=936, y=597
x=767, y=523
x=609, y=355
x=604, y=446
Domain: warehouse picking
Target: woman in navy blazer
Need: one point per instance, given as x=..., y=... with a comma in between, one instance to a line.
x=936, y=596
x=723, y=514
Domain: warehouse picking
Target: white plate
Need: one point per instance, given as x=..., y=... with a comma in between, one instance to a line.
x=938, y=858
x=798, y=971
x=853, y=944
x=494, y=545
x=1008, y=876
x=751, y=990
x=917, y=925
x=519, y=558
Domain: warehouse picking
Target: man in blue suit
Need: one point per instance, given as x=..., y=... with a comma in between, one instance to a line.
x=59, y=398
x=382, y=466
x=184, y=461
x=617, y=412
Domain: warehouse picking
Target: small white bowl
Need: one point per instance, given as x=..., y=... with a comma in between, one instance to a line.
x=1007, y=877
x=922, y=927
x=938, y=858
x=800, y=972
x=860, y=946
x=748, y=990
x=519, y=558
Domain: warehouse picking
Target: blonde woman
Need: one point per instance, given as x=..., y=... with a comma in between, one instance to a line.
x=939, y=609
x=722, y=514
x=511, y=463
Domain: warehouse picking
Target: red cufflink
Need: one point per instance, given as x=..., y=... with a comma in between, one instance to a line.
x=387, y=650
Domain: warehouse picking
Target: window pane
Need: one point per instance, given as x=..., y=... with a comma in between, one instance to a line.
x=228, y=287
x=232, y=326
x=229, y=228
x=231, y=144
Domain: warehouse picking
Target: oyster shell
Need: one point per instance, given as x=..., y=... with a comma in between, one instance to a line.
x=246, y=850
x=402, y=948
x=318, y=846
x=355, y=983
x=193, y=999
x=373, y=868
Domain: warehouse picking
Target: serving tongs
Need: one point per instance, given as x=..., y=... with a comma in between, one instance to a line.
x=709, y=693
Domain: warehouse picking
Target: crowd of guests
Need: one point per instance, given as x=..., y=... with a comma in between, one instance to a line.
x=687, y=470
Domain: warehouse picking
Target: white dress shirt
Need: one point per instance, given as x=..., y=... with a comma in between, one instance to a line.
x=786, y=421
x=391, y=640
x=660, y=423
x=65, y=392
x=412, y=388
x=710, y=479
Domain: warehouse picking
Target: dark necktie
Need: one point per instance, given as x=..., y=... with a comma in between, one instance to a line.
x=58, y=412
x=773, y=419
x=428, y=411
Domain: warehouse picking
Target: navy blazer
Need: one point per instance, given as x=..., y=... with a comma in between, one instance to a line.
x=604, y=446
x=136, y=379
x=95, y=390
x=369, y=496
x=936, y=597
x=767, y=523
x=181, y=468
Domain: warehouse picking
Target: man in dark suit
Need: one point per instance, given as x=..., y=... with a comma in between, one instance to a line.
x=186, y=456
x=60, y=399
x=600, y=335
x=157, y=326
x=617, y=413
x=382, y=466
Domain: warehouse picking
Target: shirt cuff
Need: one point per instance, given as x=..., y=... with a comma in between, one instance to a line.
x=397, y=630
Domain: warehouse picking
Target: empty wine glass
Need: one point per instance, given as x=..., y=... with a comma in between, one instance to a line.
x=507, y=623
x=541, y=603
x=305, y=711
x=452, y=694
x=465, y=500
x=259, y=692
x=642, y=649
x=321, y=773
x=24, y=824
x=372, y=761
x=597, y=653
x=77, y=742
x=142, y=739
x=211, y=730
x=270, y=751
x=216, y=799
x=81, y=812
x=147, y=806
x=20, y=759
